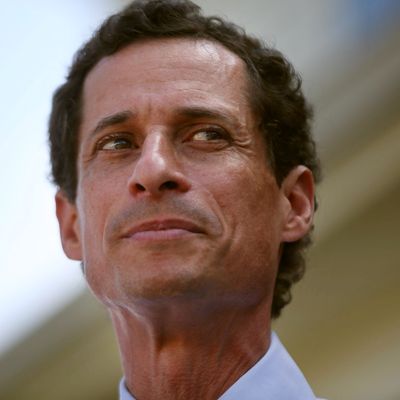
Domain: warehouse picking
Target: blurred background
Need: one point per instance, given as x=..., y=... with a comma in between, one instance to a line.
x=343, y=327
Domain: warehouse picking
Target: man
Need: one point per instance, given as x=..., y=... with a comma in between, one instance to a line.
x=185, y=166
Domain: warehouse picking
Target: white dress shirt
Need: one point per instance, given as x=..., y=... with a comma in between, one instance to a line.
x=274, y=377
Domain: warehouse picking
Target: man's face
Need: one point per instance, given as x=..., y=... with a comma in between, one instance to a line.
x=175, y=196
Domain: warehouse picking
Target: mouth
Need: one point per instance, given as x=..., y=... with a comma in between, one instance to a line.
x=163, y=229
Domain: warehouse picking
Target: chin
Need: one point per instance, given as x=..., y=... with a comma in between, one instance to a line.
x=166, y=283
x=155, y=280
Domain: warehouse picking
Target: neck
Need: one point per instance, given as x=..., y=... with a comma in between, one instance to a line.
x=184, y=352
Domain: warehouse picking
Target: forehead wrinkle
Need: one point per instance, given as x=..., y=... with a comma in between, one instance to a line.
x=229, y=66
x=211, y=49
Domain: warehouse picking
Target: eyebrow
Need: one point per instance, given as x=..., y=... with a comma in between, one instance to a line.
x=202, y=112
x=113, y=119
x=183, y=112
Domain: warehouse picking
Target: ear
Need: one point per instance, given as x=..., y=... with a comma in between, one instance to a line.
x=68, y=222
x=298, y=190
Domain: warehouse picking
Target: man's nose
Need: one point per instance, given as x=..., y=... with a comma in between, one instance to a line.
x=158, y=169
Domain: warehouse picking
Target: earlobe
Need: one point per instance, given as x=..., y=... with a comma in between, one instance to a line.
x=298, y=190
x=69, y=226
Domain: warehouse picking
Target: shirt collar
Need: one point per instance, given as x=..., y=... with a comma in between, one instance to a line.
x=274, y=377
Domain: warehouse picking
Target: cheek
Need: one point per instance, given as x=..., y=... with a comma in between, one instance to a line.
x=97, y=205
x=94, y=204
x=248, y=199
x=98, y=272
x=245, y=195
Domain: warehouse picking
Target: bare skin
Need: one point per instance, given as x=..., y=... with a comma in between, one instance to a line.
x=188, y=355
x=178, y=218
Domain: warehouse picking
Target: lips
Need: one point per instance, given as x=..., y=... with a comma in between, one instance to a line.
x=162, y=229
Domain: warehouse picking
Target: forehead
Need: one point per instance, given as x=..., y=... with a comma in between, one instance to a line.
x=181, y=53
x=191, y=50
x=174, y=67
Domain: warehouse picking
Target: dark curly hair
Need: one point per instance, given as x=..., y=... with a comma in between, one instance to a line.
x=275, y=94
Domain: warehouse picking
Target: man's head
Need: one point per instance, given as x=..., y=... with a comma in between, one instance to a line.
x=209, y=116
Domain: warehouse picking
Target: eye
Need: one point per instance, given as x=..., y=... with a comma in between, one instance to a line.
x=208, y=135
x=114, y=142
